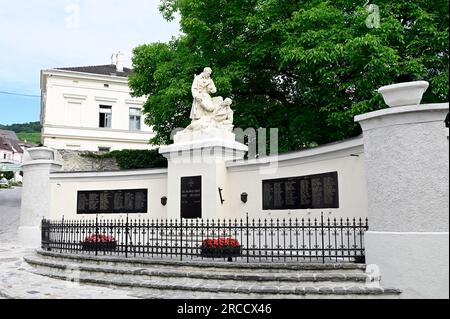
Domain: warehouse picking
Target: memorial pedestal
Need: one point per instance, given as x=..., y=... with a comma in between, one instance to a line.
x=35, y=199
x=197, y=176
x=407, y=168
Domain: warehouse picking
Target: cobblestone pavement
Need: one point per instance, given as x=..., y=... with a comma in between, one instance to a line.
x=15, y=279
x=17, y=282
x=9, y=214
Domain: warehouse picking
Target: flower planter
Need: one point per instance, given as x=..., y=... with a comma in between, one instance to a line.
x=220, y=252
x=401, y=94
x=41, y=153
x=99, y=246
x=99, y=242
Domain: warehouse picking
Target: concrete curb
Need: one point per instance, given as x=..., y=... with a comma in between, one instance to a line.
x=205, y=264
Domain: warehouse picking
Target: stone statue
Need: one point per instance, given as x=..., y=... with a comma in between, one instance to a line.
x=209, y=112
x=202, y=86
x=212, y=117
x=224, y=114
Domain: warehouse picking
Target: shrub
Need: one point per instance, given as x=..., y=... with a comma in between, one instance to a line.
x=133, y=159
x=8, y=175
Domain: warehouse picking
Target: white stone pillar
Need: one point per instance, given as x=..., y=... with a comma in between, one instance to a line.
x=407, y=169
x=205, y=158
x=37, y=166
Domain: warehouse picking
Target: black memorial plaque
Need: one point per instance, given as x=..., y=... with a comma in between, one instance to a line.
x=123, y=201
x=312, y=191
x=191, y=197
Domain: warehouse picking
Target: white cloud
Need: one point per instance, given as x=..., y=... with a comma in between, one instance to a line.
x=40, y=34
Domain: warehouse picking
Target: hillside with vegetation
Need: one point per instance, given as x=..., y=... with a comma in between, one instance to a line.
x=30, y=132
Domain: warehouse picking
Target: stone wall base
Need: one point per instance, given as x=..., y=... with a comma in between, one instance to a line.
x=30, y=236
x=415, y=262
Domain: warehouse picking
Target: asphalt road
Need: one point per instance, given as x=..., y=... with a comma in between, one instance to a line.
x=9, y=213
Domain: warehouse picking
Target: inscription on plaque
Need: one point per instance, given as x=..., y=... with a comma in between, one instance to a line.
x=127, y=201
x=312, y=191
x=191, y=197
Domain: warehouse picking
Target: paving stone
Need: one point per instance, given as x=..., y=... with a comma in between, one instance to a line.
x=339, y=290
x=356, y=290
x=325, y=290
x=300, y=290
x=167, y=279
x=308, y=277
x=311, y=290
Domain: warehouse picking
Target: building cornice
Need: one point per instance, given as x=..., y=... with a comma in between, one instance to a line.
x=105, y=99
x=96, y=129
x=82, y=75
x=102, y=139
x=111, y=175
x=74, y=96
x=330, y=151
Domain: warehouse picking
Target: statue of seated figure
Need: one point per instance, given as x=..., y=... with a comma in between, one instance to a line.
x=207, y=111
x=223, y=114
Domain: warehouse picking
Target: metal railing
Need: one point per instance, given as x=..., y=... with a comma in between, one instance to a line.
x=264, y=240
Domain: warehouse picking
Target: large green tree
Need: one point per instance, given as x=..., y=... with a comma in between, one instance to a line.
x=305, y=67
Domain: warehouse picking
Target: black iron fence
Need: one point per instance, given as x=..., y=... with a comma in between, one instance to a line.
x=278, y=240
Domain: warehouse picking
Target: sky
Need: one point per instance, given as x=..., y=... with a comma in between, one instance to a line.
x=43, y=34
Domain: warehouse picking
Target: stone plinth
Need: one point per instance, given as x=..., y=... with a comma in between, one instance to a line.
x=407, y=171
x=35, y=199
x=210, y=133
x=202, y=156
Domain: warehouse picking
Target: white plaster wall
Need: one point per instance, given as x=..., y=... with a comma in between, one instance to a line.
x=407, y=160
x=234, y=177
x=415, y=262
x=351, y=182
x=64, y=188
x=8, y=154
x=213, y=176
x=18, y=157
x=407, y=169
x=35, y=199
x=71, y=111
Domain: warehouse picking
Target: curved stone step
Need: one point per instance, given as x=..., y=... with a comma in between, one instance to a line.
x=163, y=278
x=232, y=292
x=219, y=275
x=205, y=265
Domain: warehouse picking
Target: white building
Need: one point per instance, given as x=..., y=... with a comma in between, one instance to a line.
x=11, y=153
x=90, y=108
x=11, y=149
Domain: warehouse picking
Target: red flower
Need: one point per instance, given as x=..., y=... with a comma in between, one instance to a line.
x=99, y=239
x=220, y=242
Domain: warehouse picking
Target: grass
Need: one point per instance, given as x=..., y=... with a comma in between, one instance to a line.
x=30, y=137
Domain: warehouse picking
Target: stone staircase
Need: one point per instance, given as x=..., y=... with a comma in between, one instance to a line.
x=173, y=279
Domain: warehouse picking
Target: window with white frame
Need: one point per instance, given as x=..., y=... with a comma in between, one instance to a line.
x=104, y=149
x=135, y=119
x=105, y=116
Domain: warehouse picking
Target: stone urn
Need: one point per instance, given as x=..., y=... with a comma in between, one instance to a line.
x=401, y=94
x=41, y=153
